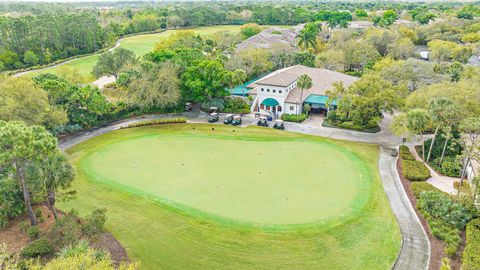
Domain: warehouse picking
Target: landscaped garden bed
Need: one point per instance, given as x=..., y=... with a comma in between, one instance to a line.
x=443, y=216
x=350, y=126
x=296, y=118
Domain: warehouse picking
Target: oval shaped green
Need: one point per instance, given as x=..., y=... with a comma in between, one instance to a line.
x=272, y=181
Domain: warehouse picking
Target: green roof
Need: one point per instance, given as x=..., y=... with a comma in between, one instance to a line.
x=270, y=102
x=320, y=100
x=241, y=90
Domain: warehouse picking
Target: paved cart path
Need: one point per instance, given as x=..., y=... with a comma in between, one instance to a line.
x=415, y=250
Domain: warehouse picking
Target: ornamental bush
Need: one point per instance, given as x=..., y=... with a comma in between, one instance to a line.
x=405, y=153
x=214, y=102
x=450, y=167
x=94, y=223
x=236, y=105
x=443, y=231
x=158, y=122
x=33, y=232
x=471, y=256
x=419, y=187
x=66, y=231
x=415, y=170
x=294, y=117
x=443, y=207
x=39, y=248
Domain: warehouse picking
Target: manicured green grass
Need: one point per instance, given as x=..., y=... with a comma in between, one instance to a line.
x=186, y=197
x=140, y=45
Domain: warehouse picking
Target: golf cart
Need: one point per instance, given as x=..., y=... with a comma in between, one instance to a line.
x=188, y=106
x=262, y=121
x=213, y=109
x=213, y=117
x=237, y=120
x=279, y=124
x=228, y=119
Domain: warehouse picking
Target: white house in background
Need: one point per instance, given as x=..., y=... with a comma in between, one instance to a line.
x=277, y=93
x=473, y=169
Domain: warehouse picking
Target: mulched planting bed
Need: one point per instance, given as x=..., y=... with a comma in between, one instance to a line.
x=436, y=246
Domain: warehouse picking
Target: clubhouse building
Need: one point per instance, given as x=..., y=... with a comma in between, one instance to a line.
x=277, y=93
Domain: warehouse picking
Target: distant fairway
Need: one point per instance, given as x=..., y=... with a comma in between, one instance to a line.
x=140, y=45
x=187, y=197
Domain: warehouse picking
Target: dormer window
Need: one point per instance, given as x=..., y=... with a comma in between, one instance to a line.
x=279, y=91
x=268, y=90
x=274, y=91
x=262, y=89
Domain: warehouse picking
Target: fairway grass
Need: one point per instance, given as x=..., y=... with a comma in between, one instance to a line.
x=139, y=44
x=187, y=197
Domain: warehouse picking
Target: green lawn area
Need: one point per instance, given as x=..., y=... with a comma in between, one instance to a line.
x=187, y=197
x=140, y=44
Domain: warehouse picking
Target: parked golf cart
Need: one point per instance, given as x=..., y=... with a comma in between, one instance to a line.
x=237, y=120
x=262, y=121
x=228, y=119
x=188, y=106
x=279, y=124
x=213, y=117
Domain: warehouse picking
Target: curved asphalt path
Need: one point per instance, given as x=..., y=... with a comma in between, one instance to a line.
x=415, y=249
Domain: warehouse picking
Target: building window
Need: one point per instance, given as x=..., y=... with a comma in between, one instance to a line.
x=262, y=89
x=274, y=91
x=262, y=106
x=279, y=108
x=291, y=108
x=268, y=108
x=279, y=91
x=268, y=90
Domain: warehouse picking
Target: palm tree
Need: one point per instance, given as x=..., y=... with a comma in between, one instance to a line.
x=440, y=110
x=306, y=39
x=304, y=82
x=417, y=122
x=52, y=174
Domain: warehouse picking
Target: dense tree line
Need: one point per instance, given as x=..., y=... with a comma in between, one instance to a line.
x=46, y=33
x=34, y=40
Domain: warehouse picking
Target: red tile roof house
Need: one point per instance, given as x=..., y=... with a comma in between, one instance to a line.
x=277, y=93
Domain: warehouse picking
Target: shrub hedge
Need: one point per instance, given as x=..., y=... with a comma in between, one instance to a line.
x=415, y=170
x=419, y=187
x=471, y=254
x=405, y=153
x=158, y=122
x=37, y=248
x=294, y=117
x=374, y=128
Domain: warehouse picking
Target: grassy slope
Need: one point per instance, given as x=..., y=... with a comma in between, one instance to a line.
x=162, y=237
x=140, y=44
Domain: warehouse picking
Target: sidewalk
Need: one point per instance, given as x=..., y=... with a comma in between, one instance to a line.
x=442, y=182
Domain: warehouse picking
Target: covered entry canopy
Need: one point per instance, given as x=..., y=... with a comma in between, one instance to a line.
x=270, y=102
x=320, y=101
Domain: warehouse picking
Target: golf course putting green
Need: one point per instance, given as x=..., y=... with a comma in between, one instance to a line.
x=267, y=182
x=201, y=196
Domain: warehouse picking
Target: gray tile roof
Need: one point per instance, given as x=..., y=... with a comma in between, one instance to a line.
x=322, y=80
x=269, y=37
